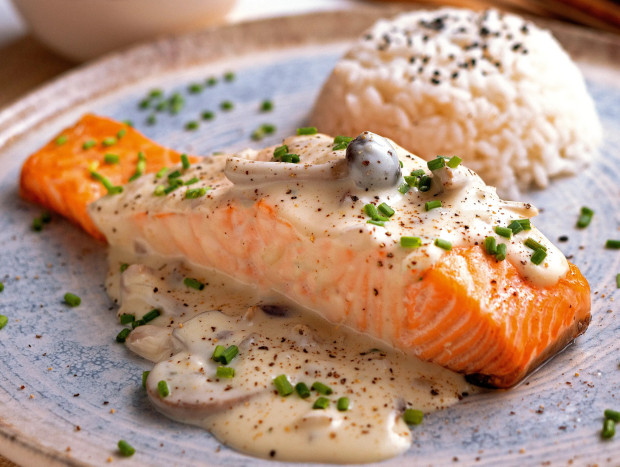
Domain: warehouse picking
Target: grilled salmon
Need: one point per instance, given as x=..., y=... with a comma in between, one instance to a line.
x=337, y=228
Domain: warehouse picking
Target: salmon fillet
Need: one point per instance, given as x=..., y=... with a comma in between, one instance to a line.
x=462, y=309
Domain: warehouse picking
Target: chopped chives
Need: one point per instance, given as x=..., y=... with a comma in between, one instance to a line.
x=120, y=133
x=309, y=130
x=207, y=115
x=176, y=103
x=525, y=223
x=612, y=244
x=127, y=318
x=62, y=139
x=112, y=189
x=413, y=416
x=411, y=180
x=89, y=144
x=140, y=167
x=1, y=287
x=162, y=389
x=268, y=128
x=321, y=403
x=161, y=172
x=283, y=386
x=151, y=315
x=37, y=224
x=490, y=245
x=612, y=414
x=185, y=161
x=501, y=252
x=194, y=193
x=454, y=162
x=145, y=375
x=111, y=158
x=424, y=184
x=155, y=93
x=72, y=300
x=218, y=352
x=124, y=266
x=160, y=190
x=302, y=390
x=225, y=372
x=229, y=76
x=410, y=242
x=617, y=281
x=401, y=163
x=194, y=88
x=436, y=164
x=403, y=188
x=193, y=283
x=174, y=184
x=342, y=139
x=174, y=174
x=109, y=141
x=585, y=217
x=227, y=105
x=266, y=106
x=385, y=209
x=129, y=123
x=227, y=355
x=538, y=256
x=374, y=222
x=121, y=337
x=321, y=388
x=294, y=158
x=160, y=107
x=516, y=227
x=343, y=404
x=138, y=322
x=418, y=173
x=3, y=321
x=191, y=181
x=191, y=126
x=280, y=151
x=503, y=231
x=609, y=428
x=444, y=244
x=371, y=211
x=144, y=104
x=436, y=203
x=125, y=448
x=151, y=120
x=534, y=245
x=212, y=81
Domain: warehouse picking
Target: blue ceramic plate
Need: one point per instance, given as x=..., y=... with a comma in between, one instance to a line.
x=68, y=392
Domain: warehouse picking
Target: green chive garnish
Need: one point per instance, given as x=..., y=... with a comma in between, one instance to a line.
x=193, y=283
x=112, y=190
x=125, y=448
x=413, y=416
x=268, y=128
x=294, y=158
x=612, y=414
x=609, y=428
x=156, y=93
x=411, y=180
x=436, y=164
x=283, y=386
x=321, y=388
x=585, y=217
x=436, y=203
x=3, y=321
x=374, y=222
x=140, y=167
x=515, y=227
x=341, y=142
x=207, y=115
x=72, y=300
x=174, y=174
x=501, y=252
x=137, y=323
x=120, y=133
x=37, y=224
x=89, y=144
x=266, y=106
x=385, y=209
x=538, y=256
x=191, y=126
x=280, y=151
x=343, y=404
x=321, y=403
x=174, y=184
x=129, y=123
x=218, y=352
x=212, y=81
x=162, y=389
x=160, y=190
x=227, y=105
x=127, y=318
x=229, y=76
x=151, y=315
x=302, y=390
x=371, y=211
x=191, y=181
x=185, y=161
x=121, y=337
x=257, y=135
x=144, y=104
x=403, y=188
x=161, y=172
x=490, y=245
x=503, y=231
x=111, y=159
x=176, y=103
x=1, y=287
x=124, y=266
x=227, y=355
x=151, y=120
x=163, y=105
x=62, y=139
x=145, y=375
x=410, y=242
x=454, y=162
x=424, y=184
x=109, y=141
x=525, y=224
x=534, y=245
x=309, y=130
x=194, y=88
x=444, y=244
x=225, y=372
x=617, y=281
x=194, y=193
x=612, y=244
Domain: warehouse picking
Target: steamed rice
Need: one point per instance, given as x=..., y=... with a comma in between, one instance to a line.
x=490, y=87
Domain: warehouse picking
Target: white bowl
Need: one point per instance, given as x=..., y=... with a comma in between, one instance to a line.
x=83, y=29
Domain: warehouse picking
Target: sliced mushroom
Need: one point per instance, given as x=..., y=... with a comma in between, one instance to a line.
x=155, y=343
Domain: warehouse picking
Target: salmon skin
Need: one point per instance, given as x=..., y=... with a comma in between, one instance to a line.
x=302, y=230
x=58, y=176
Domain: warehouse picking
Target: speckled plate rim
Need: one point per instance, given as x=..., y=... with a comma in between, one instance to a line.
x=117, y=70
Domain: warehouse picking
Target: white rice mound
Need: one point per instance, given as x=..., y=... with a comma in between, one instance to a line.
x=487, y=86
